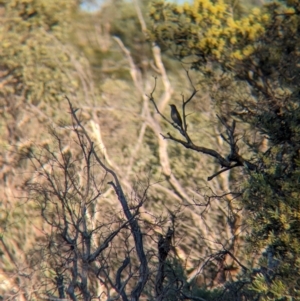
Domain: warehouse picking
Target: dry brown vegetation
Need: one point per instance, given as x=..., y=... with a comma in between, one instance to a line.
x=102, y=196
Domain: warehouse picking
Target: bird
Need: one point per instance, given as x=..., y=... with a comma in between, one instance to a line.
x=176, y=116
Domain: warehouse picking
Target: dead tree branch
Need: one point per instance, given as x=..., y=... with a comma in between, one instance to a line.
x=232, y=160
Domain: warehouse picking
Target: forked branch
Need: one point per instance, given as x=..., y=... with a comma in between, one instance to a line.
x=133, y=223
x=232, y=160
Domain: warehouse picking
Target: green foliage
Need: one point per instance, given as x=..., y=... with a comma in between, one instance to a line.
x=206, y=29
x=259, y=49
x=35, y=62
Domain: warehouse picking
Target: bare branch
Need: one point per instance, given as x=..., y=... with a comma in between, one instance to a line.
x=134, y=226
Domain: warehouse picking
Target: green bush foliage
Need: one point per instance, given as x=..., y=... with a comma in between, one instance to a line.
x=261, y=50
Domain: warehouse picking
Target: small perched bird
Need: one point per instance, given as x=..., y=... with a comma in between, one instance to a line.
x=176, y=116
